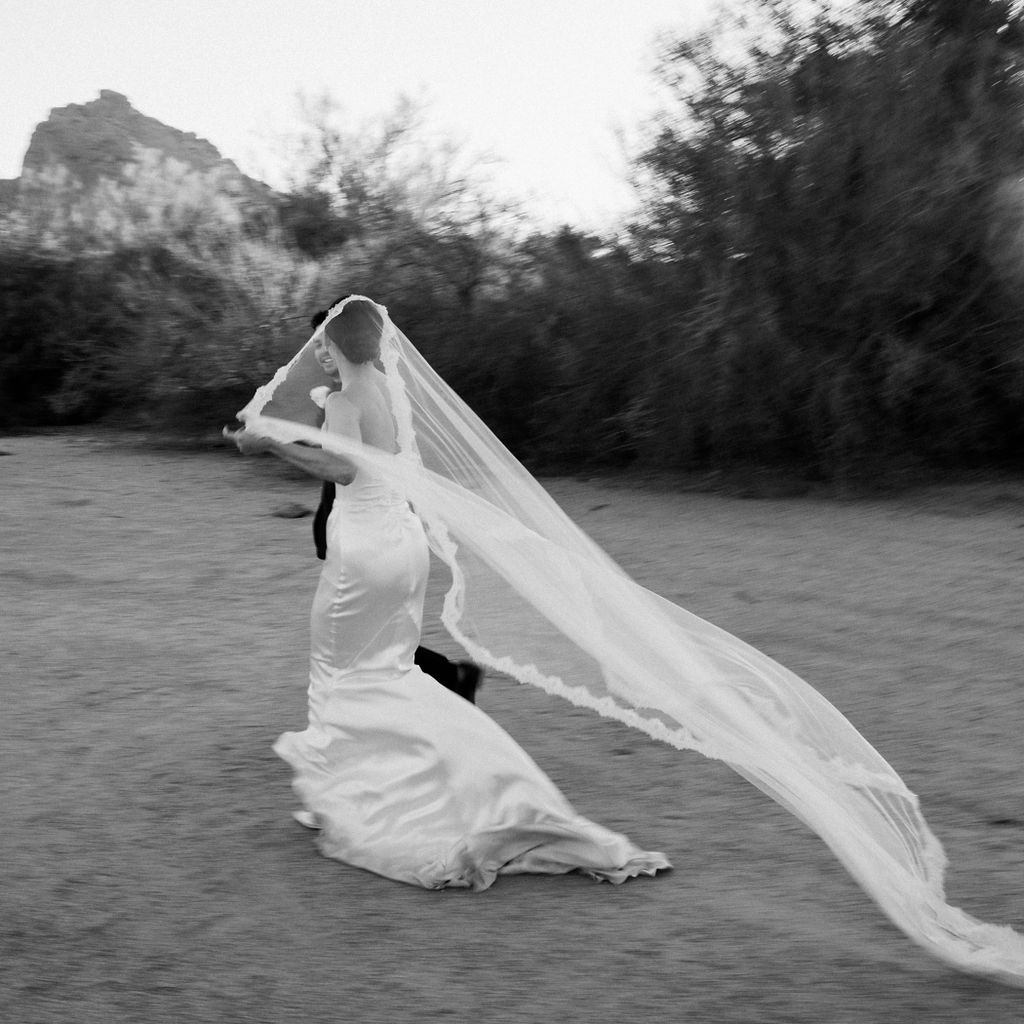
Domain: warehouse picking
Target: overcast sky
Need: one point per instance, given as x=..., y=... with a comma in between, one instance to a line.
x=542, y=84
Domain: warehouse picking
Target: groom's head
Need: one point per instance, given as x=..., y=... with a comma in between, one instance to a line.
x=318, y=318
x=322, y=356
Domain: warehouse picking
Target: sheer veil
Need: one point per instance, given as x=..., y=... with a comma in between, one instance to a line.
x=533, y=596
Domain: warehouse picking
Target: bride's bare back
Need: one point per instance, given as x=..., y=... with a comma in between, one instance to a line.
x=362, y=410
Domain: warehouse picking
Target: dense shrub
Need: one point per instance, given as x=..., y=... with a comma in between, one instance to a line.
x=127, y=301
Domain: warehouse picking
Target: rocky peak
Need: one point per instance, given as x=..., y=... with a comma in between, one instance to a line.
x=103, y=137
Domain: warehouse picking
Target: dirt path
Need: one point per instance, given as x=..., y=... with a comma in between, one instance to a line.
x=150, y=870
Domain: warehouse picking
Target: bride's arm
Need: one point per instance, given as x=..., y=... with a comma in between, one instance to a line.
x=342, y=418
x=315, y=461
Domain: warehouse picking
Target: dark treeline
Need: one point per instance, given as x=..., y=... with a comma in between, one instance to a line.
x=826, y=271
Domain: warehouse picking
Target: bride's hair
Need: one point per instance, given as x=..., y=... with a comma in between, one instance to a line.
x=321, y=315
x=356, y=330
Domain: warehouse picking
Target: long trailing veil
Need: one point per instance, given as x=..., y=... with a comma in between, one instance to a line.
x=588, y=633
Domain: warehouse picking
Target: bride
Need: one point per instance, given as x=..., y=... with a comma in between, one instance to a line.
x=399, y=775
x=412, y=782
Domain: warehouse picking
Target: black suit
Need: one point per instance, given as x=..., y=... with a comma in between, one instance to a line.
x=460, y=678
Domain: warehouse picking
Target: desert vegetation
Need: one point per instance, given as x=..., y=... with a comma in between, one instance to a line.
x=825, y=270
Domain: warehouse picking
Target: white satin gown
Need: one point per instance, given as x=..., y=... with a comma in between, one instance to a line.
x=401, y=776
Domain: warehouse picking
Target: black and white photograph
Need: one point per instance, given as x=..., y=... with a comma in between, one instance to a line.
x=512, y=511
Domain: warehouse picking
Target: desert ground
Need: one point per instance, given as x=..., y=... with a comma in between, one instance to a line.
x=153, y=630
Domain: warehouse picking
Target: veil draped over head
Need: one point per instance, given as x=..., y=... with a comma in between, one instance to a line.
x=532, y=596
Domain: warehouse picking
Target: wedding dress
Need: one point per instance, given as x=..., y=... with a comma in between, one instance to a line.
x=534, y=597
x=401, y=776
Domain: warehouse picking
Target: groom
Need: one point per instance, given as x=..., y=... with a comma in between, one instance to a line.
x=461, y=677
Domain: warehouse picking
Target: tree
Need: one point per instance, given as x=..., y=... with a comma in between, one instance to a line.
x=402, y=207
x=822, y=188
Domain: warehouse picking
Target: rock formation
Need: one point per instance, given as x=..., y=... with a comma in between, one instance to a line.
x=102, y=138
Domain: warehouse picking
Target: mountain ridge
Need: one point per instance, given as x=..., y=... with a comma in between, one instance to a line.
x=102, y=137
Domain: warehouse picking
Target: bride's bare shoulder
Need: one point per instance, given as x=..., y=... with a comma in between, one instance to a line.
x=339, y=400
x=342, y=414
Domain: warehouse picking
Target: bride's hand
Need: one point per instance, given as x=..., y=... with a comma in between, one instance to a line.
x=247, y=444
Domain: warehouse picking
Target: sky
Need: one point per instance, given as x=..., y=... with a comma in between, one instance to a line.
x=542, y=86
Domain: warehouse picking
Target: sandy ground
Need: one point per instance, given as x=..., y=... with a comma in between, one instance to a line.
x=149, y=869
